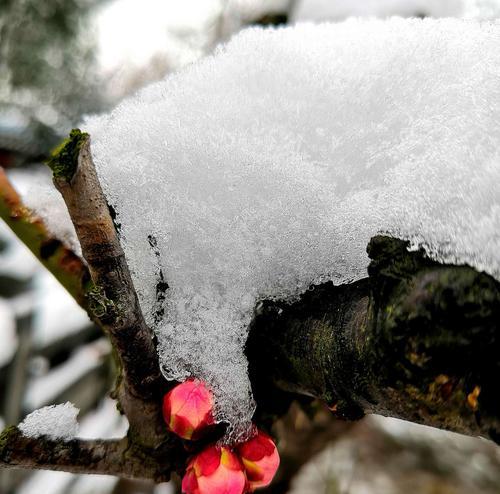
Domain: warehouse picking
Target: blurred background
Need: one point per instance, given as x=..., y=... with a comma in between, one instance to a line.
x=63, y=59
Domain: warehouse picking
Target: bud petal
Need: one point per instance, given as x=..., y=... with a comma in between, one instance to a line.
x=216, y=470
x=187, y=409
x=260, y=459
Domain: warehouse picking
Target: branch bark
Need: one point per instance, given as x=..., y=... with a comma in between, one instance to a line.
x=112, y=457
x=416, y=340
x=112, y=297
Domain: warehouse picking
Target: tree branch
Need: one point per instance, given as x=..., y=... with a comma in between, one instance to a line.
x=62, y=262
x=416, y=340
x=113, y=299
x=113, y=457
x=148, y=451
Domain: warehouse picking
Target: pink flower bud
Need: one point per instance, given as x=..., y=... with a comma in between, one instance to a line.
x=260, y=459
x=187, y=409
x=216, y=470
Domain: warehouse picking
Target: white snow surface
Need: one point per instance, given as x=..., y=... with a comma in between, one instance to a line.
x=55, y=421
x=34, y=186
x=268, y=167
x=321, y=10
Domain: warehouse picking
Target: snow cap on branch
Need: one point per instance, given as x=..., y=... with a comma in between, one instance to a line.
x=268, y=167
x=55, y=422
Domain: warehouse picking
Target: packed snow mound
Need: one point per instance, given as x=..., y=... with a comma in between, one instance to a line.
x=268, y=167
x=334, y=10
x=55, y=422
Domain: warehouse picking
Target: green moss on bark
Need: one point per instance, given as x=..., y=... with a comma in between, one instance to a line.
x=100, y=305
x=64, y=159
x=6, y=438
x=416, y=340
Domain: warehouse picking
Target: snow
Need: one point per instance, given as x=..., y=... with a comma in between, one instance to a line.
x=268, y=167
x=321, y=10
x=46, y=481
x=93, y=484
x=56, y=312
x=129, y=34
x=105, y=422
x=382, y=455
x=55, y=421
x=142, y=41
x=482, y=9
x=34, y=186
x=237, y=13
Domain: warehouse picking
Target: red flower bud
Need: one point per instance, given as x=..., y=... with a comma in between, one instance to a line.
x=216, y=470
x=260, y=459
x=187, y=409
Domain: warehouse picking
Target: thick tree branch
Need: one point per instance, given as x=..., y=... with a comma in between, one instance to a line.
x=62, y=262
x=113, y=457
x=416, y=340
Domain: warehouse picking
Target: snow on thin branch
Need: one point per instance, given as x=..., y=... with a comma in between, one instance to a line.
x=55, y=422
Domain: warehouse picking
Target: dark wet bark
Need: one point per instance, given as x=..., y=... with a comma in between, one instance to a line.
x=416, y=340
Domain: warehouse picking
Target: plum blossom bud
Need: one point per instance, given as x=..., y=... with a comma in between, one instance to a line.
x=260, y=459
x=187, y=409
x=216, y=470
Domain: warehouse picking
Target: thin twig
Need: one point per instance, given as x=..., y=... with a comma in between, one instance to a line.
x=61, y=261
x=111, y=457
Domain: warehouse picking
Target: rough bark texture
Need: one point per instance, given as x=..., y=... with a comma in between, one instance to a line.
x=112, y=297
x=416, y=340
x=112, y=457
